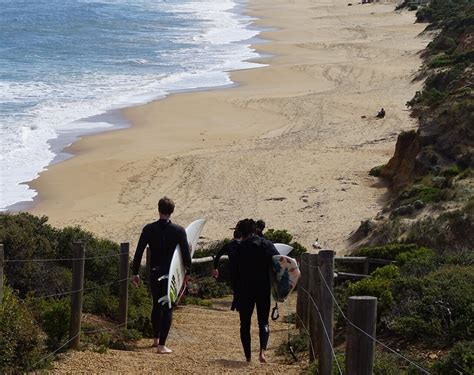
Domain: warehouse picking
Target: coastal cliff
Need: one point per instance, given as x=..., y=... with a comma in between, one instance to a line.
x=430, y=173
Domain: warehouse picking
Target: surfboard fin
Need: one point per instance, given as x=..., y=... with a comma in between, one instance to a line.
x=163, y=300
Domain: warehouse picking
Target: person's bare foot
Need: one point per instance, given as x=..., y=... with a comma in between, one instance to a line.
x=161, y=349
x=262, y=358
x=248, y=359
x=156, y=342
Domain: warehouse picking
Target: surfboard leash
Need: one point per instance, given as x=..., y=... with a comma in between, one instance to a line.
x=290, y=346
x=275, y=312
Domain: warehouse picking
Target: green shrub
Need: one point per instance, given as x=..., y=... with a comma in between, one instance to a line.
x=279, y=236
x=427, y=194
x=139, y=310
x=21, y=342
x=283, y=236
x=208, y=287
x=190, y=300
x=54, y=319
x=437, y=308
x=377, y=171
x=386, y=364
x=460, y=360
x=100, y=301
x=390, y=251
x=388, y=272
x=298, y=249
x=376, y=287
x=422, y=253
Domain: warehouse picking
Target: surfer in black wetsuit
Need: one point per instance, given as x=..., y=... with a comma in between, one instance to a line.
x=161, y=236
x=252, y=264
x=229, y=249
x=260, y=224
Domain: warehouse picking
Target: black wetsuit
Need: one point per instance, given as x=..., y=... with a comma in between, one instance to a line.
x=260, y=234
x=162, y=236
x=229, y=249
x=253, y=287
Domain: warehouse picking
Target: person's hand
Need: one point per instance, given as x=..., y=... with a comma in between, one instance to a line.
x=186, y=279
x=215, y=273
x=136, y=280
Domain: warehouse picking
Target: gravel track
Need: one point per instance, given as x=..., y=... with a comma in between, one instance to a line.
x=204, y=341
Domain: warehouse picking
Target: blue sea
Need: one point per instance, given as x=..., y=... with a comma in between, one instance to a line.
x=65, y=63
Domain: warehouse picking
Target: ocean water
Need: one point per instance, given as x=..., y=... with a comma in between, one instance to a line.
x=64, y=62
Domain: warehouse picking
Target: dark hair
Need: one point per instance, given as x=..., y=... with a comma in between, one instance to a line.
x=246, y=227
x=166, y=206
x=237, y=234
x=260, y=224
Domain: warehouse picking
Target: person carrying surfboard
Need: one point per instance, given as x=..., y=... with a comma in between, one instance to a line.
x=228, y=249
x=253, y=259
x=161, y=237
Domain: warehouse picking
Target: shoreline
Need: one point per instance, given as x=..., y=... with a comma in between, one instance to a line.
x=293, y=150
x=111, y=118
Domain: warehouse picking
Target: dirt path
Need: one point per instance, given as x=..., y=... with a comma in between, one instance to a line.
x=204, y=340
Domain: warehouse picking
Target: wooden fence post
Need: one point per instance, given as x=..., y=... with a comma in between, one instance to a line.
x=326, y=306
x=312, y=313
x=302, y=297
x=1, y=272
x=362, y=312
x=79, y=250
x=123, y=292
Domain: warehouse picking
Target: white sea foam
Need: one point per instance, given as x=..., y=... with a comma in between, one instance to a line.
x=61, y=107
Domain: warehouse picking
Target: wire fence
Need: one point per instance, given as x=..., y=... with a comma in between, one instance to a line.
x=324, y=282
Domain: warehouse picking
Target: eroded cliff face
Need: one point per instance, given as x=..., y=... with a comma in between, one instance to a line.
x=444, y=139
x=402, y=167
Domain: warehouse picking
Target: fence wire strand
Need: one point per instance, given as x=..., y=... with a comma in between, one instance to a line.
x=59, y=259
x=82, y=289
x=52, y=353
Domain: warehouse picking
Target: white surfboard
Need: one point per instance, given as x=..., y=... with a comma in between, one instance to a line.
x=177, y=273
x=283, y=248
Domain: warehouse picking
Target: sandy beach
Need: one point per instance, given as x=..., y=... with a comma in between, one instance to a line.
x=292, y=143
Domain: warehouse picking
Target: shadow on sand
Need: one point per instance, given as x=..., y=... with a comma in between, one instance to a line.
x=231, y=363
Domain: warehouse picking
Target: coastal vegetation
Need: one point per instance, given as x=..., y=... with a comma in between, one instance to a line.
x=425, y=297
x=34, y=315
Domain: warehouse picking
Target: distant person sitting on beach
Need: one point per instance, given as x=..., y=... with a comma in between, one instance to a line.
x=229, y=249
x=253, y=259
x=260, y=224
x=381, y=113
x=161, y=237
